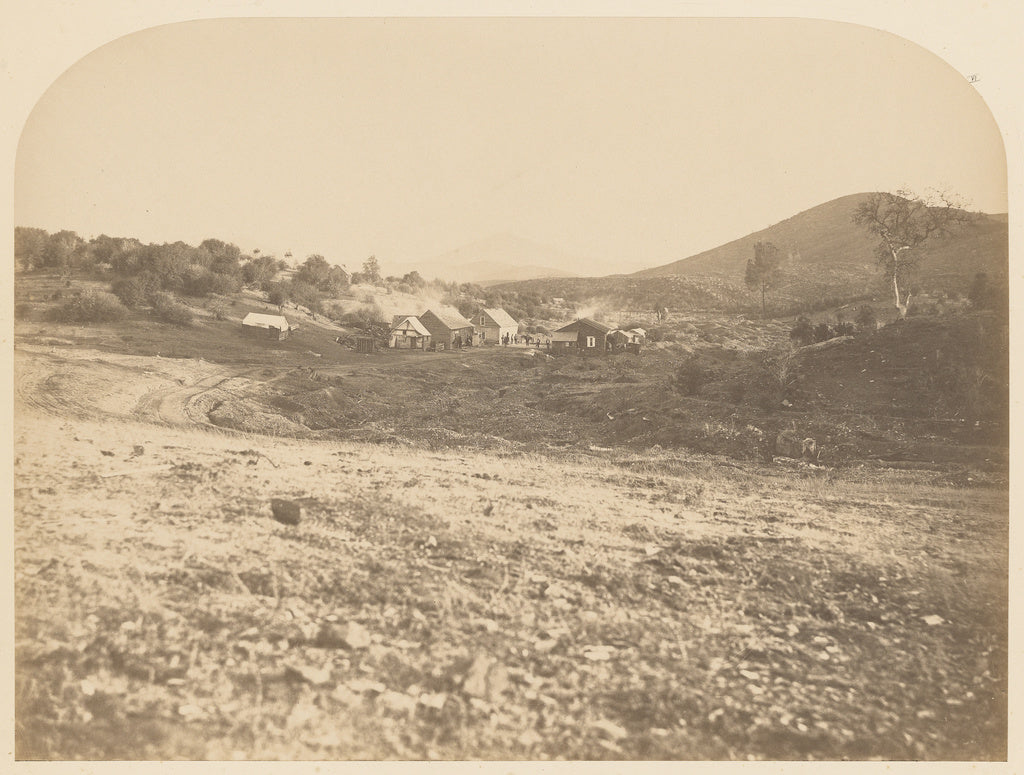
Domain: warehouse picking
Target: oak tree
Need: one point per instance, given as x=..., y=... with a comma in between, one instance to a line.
x=904, y=222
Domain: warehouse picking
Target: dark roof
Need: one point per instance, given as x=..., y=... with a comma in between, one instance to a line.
x=451, y=319
x=588, y=323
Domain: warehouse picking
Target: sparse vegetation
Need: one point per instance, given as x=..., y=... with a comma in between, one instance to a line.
x=866, y=320
x=170, y=310
x=90, y=307
x=905, y=221
x=762, y=271
x=693, y=552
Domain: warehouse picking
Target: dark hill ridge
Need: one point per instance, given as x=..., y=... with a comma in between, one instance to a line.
x=825, y=236
x=828, y=261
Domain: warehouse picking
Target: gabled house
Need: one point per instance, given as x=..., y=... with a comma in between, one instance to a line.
x=591, y=336
x=408, y=333
x=447, y=329
x=262, y=326
x=494, y=325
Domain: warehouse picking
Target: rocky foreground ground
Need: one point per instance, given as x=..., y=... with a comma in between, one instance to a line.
x=588, y=605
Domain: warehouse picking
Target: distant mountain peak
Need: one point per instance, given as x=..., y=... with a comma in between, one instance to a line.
x=500, y=257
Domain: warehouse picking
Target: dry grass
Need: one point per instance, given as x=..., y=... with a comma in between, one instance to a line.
x=603, y=606
x=505, y=572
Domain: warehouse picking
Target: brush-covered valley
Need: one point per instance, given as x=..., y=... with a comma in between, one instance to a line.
x=723, y=546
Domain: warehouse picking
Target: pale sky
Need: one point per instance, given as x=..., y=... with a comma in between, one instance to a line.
x=629, y=142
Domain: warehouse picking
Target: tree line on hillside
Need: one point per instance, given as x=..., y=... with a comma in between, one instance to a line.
x=156, y=275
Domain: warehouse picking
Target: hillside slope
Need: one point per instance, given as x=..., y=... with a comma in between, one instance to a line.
x=825, y=239
x=828, y=261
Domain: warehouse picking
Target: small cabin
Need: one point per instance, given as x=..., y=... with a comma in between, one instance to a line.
x=262, y=326
x=448, y=329
x=590, y=336
x=408, y=333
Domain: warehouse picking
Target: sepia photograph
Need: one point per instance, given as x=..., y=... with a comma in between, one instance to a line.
x=510, y=389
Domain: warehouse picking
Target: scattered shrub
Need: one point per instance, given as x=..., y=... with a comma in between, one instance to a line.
x=137, y=290
x=219, y=308
x=690, y=376
x=90, y=307
x=170, y=310
x=802, y=332
x=365, y=317
x=823, y=332
x=306, y=295
x=866, y=319
x=776, y=378
x=985, y=293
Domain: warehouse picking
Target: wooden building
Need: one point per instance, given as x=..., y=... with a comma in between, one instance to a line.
x=591, y=336
x=408, y=333
x=563, y=340
x=493, y=325
x=631, y=339
x=447, y=329
x=261, y=326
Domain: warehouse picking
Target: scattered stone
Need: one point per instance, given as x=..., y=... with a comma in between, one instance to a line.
x=545, y=645
x=396, y=702
x=317, y=676
x=435, y=700
x=933, y=619
x=360, y=685
x=598, y=653
x=345, y=695
x=350, y=635
x=609, y=729
x=286, y=512
x=530, y=738
x=106, y=453
x=190, y=711
x=486, y=679
x=556, y=591
x=791, y=444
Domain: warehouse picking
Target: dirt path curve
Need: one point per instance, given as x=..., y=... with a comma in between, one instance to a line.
x=84, y=384
x=171, y=405
x=90, y=384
